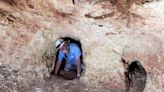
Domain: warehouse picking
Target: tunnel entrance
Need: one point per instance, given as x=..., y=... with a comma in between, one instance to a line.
x=69, y=75
x=135, y=76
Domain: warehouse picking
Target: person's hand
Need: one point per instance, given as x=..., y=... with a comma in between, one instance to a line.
x=78, y=76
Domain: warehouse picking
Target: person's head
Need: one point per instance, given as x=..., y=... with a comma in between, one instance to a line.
x=62, y=45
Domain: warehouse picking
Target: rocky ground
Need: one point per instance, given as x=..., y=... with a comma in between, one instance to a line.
x=108, y=32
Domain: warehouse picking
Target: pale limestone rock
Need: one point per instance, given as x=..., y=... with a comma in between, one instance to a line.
x=24, y=43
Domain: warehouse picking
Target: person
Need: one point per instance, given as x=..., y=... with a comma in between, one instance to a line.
x=71, y=53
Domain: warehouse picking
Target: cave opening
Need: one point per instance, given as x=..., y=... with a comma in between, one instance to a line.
x=69, y=75
x=135, y=76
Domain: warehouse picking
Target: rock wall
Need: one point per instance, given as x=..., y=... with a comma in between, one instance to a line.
x=28, y=30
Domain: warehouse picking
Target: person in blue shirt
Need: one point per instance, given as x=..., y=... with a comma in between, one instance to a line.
x=71, y=53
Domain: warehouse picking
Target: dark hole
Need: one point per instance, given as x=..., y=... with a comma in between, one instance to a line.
x=135, y=76
x=70, y=74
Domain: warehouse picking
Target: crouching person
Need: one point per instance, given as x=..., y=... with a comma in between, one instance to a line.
x=71, y=53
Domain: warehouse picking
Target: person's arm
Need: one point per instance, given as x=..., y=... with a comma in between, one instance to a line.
x=78, y=67
x=59, y=61
x=77, y=53
x=57, y=67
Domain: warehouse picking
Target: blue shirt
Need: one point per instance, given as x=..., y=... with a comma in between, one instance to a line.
x=73, y=54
